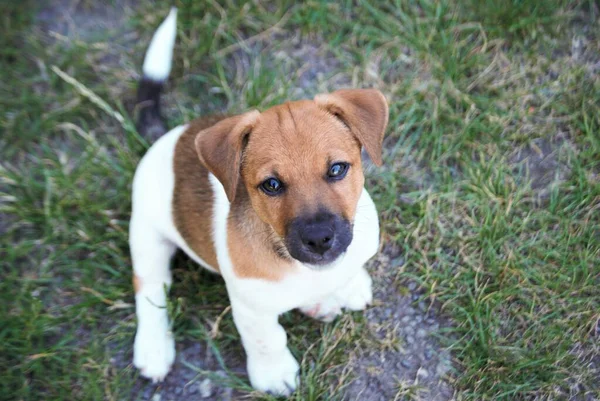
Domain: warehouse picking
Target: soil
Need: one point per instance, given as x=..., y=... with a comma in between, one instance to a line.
x=185, y=382
x=417, y=365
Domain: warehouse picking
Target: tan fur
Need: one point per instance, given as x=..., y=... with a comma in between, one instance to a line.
x=254, y=249
x=192, y=195
x=295, y=142
x=220, y=149
x=137, y=284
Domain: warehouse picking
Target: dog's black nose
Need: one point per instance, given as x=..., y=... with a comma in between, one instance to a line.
x=317, y=239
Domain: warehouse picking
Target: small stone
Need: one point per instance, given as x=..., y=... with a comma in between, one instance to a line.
x=409, y=311
x=410, y=340
x=156, y=397
x=178, y=390
x=419, y=318
x=430, y=320
x=428, y=354
x=397, y=262
x=421, y=333
x=227, y=394
x=147, y=393
x=405, y=319
x=415, y=297
x=412, y=286
x=409, y=330
x=205, y=388
x=435, y=327
x=387, y=313
x=193, y=388
x=442, y=368
x=414, y=323
x=422, y=306
x=422, y=373
x=407, y=363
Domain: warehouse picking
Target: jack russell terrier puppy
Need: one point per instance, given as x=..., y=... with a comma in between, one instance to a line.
x=273, y=201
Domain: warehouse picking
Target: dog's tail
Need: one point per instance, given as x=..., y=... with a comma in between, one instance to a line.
x=155, y=71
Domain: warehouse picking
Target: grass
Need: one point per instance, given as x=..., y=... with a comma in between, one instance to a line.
x=493, y=144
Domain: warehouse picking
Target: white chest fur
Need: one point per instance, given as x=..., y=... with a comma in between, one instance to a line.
x=307, y=285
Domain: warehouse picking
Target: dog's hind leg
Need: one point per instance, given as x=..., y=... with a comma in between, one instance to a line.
x=154, y=347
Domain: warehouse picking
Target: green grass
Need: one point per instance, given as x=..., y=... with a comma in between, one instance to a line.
x=508, y=246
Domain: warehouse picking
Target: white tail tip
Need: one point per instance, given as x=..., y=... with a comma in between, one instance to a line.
x=157, y=63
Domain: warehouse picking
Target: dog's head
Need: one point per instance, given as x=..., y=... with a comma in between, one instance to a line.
x=300, y=164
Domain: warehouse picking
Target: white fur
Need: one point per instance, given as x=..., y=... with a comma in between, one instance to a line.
x=355, y=295
x=157, y=63
x=256, y=303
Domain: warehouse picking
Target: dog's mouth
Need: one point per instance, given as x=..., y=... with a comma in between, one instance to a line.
x=318, y=241
x=308, y=258
x=316, y=261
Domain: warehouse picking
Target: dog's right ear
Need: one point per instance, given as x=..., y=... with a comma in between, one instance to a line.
x=220, y=148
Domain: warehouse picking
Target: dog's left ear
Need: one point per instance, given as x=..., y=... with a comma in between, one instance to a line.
x=364, y=111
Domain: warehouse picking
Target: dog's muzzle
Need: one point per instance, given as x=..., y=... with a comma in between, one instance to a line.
x=319, y=239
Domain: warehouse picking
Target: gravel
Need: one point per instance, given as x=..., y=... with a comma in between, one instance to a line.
x=205, y=388
x=185, y=383
x=420, y=359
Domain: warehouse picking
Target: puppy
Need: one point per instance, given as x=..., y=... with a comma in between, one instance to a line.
x=273, y=201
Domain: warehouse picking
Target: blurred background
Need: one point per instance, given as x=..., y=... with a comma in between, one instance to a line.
x=487, y=285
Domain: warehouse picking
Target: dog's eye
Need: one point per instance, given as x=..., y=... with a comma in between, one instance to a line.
x=271, y=186
x=337, y=171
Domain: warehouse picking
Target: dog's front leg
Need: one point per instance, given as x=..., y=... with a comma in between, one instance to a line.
x=354, y=295
x=271, y=366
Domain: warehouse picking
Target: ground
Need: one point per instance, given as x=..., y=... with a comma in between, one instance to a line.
x=487, y=285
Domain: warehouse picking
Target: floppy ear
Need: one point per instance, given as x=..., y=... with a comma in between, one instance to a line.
x=364, y=111
x=220, y=148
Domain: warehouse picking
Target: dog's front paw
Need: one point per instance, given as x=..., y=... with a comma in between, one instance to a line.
x=277, y=375
x=153, y=354
x=326, y=310
x=358, y=293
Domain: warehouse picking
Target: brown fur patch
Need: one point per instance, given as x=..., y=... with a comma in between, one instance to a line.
x=193, y=195
x=251, y=244
x=137, y=284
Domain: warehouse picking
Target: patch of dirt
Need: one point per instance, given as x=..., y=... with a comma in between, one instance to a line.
x=584, y=42
x=541, y=162
x=409, y=362
x=184, y=382
x=309, y=64
x=313, y=65
x=84, y=20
